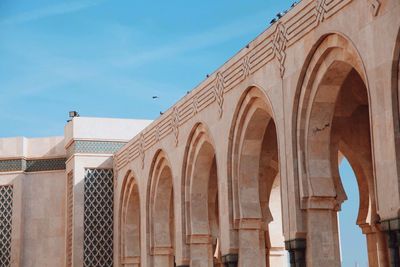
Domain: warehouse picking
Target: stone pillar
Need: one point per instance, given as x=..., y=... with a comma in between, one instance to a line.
x=322, y=237
x=201, y=254
x=297, y=252
x=376, y=246
x=383, y=255
x=251, y=243
x=230, y=260
x=392, y=229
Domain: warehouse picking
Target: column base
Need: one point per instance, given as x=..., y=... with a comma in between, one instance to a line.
x=392, y=229
x=230, y=260
x=297, y=252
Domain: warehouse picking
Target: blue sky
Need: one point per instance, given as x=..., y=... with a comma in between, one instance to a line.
x=107, y=58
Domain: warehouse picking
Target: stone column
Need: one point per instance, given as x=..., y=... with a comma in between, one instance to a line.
x=376, y=246
x=322, y=237
x=201, y=254
x=251, y=243
x=297, y=252
x=392, y=229
x=230, y=260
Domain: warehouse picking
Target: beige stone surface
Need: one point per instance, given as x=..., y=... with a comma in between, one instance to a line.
x=247, y=160
x=320, y=83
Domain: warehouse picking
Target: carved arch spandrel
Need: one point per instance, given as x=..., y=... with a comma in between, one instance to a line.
x=332, y=52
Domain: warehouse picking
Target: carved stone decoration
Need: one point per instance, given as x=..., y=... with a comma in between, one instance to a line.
x=157, y=133
x=175, y=124
x=195, y=105
x=279, y=44
x=375, y=5
x=246, y=66
x=141, y=149
x=219, y=92
x=320, y=10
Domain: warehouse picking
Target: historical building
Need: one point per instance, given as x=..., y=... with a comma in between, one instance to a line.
x=242, y=171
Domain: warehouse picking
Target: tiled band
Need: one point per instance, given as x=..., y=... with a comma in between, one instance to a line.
x=32, y=165
x=94, y=147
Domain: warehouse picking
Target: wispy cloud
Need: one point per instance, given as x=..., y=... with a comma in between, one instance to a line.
x=197, y=41
x=48, y=11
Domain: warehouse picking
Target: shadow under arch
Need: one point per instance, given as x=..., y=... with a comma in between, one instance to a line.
x=396, y=99
x=253, y=176
x=160, y=212
x=332, y=97
x=129, y=222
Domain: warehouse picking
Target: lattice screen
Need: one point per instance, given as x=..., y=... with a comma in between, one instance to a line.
x=6, y=203
x=70, y=190
x=98, y=218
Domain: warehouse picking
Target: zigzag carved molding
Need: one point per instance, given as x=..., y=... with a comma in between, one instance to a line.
x=271, y=45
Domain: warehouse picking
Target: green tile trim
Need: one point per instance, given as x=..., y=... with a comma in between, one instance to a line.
x=10, y=165
x=33, y=165
x=45, y=165
x=94, y=147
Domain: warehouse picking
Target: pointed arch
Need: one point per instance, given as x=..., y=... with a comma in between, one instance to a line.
x=160, y=210
x=254, y=177
x=129, y=222
x=201, y=198
x=333, y=117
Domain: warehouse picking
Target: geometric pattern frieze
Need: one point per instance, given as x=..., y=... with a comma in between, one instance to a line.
x=32, y=165
x=270, y=46
x=95, y=147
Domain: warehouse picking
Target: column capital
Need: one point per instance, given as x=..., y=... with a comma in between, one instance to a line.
x=230, y=260
x=200, y=239
x=297, y=251
x=321, y=203
x=390, y=225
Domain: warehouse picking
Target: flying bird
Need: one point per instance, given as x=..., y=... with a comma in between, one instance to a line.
x=155, y=97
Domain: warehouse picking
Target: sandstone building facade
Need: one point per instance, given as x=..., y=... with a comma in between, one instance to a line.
x=242, y=171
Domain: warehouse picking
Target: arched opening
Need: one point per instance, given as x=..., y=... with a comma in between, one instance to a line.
x=201, y=178
x=161, y=213
x=336, y=121
x=351, y=235
x=130, y=224
x=256, y=183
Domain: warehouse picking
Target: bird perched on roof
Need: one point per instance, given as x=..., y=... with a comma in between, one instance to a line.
x=280, y=15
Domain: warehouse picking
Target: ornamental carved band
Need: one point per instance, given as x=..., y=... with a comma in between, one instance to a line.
x=375, y=5
x=279, y=44
x=246, y=66
x=141, y=149
x=320, y=10
x=219, y=92
x=175, y=124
